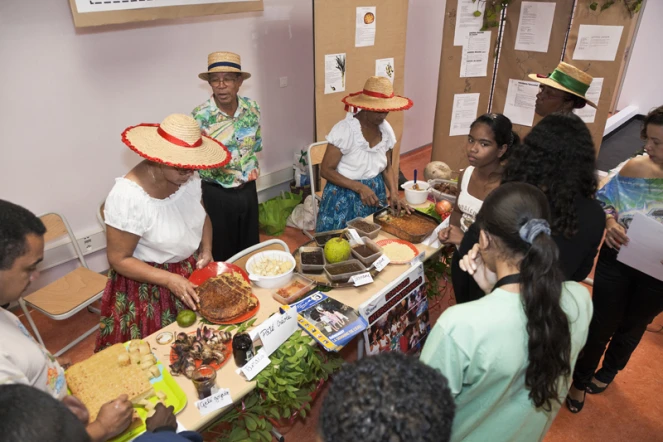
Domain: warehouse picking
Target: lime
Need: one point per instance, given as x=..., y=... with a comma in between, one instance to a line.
x=186, y=318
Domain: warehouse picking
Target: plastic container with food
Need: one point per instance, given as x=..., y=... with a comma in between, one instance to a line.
x=321, y=238
x=416, y=195
x=312, y=259
x=343, y=271
x=444, y=185
x=271, y=268
x=364, y=228
x=298, y=287
x=366, y=253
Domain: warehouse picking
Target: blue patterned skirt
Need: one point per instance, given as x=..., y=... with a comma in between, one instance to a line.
x=340, y=205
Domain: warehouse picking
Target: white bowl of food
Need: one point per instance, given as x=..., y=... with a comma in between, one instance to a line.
x=416, y=194
x=271, y=268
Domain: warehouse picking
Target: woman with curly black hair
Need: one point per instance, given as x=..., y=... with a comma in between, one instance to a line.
x=509, y=356
x=558, y=157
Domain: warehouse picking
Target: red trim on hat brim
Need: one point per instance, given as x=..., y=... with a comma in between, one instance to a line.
x=409, y=104
x=126, y=141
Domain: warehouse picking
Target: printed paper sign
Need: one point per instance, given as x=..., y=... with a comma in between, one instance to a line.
x=276, y=330
x=598, y=43
x=535, y=25
x=467, y=19
x=214, y=402
x=257, y=364
x=381, y=262
x=521, y=101
x=463, y=113
x=365, y=27
x=588, y=113
x=334, y=73
x=355, y=236
x=384, y=67
x=474, y=60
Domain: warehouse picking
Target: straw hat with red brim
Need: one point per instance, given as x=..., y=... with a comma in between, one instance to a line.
x=223, y=62
x=377, y=96
x=569, y=79
x=177, y=142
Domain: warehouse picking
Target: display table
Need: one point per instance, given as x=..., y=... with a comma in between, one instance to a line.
x=227, y=377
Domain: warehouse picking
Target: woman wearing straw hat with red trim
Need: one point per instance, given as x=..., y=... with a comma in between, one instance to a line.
x=358, y=161
x=156, y=226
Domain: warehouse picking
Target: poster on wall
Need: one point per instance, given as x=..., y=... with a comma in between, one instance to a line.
x=334, y=73
x=365, y=27
x=599, y=43
x=588, y=113
x=464, y=112
x=474, y=59
x=83, y=6
x=467, y=20
x=384, y=67
x=534, y=27
x=520, y=101
x=398, y=315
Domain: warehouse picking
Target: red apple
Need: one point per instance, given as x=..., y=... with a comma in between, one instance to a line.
x=443, y=206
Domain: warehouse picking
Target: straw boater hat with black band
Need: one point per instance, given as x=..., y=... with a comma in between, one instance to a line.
x=569, y=79
x=223, y=62
x=377, y=96
x=177, y=142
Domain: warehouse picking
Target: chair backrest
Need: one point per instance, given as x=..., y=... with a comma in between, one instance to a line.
x=57, y=227
x=240, y=259
x=100, y=215
x=316, y=152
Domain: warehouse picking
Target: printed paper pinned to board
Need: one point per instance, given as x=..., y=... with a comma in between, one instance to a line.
x=83, y=6
x=334, y=73
x=464, y=113
x=535, y=26
x=642, y=253
x=520, y=101
x=588, y=113
x=598, y=43
x=384, y=67
x=469, y=18
x=474, y=61
x=365, y=26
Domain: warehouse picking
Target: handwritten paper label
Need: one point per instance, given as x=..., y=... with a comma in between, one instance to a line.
x=361, y=279
x=276, y=330
x=259, y=362
x=214, y=402
x=381, y=262
x=355, y=236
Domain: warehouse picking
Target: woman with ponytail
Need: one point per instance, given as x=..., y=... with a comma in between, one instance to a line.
x=509, y=355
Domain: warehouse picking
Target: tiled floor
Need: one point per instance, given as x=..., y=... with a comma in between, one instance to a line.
x=630, y=410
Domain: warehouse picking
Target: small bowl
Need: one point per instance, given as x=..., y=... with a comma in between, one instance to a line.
x=416, y=196
x=270, y=282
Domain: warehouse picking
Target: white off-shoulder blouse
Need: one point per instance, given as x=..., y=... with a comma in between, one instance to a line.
x=170, y=229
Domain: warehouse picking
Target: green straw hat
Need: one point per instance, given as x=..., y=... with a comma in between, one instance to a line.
x=569, y=79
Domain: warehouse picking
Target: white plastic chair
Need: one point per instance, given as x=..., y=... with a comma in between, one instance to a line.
x=240, y=259
x=71, y=293
x=316, y=152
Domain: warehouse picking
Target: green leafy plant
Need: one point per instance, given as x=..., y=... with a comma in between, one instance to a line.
x=284, y=390
x=437, y=271
x=491, y=13
x=632, y=6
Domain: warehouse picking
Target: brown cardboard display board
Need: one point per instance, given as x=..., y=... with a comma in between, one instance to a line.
x=82, y=20
x=449, y=149
x=518, y=65
x=616, y=15
x=334, y=28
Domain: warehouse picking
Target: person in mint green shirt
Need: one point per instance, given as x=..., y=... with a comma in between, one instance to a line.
x=509, y=355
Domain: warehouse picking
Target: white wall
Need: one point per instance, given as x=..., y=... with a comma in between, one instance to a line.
x=67, y=94
x=642, y=84
x=422, y=66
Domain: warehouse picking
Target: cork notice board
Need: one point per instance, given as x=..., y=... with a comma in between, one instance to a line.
x=85, y=19
x=451, y=149
x=517, y=65
x=334, y=29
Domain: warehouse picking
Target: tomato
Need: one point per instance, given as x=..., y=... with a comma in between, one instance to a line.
x=443, y=206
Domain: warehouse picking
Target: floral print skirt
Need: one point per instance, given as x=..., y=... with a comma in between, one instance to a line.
x=340, y=205
x=134, y=310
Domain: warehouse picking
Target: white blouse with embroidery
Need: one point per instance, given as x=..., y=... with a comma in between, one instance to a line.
x=359, y=160
x=170, y=229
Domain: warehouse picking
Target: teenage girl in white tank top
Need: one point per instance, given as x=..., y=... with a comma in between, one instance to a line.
x=488, y=144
